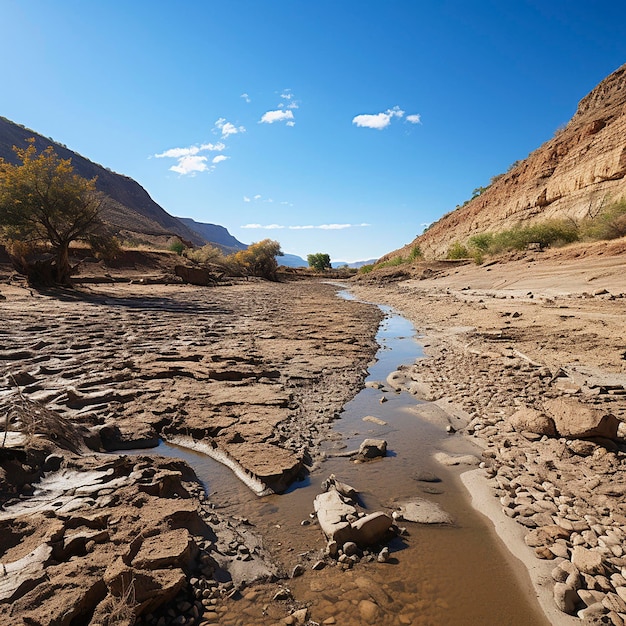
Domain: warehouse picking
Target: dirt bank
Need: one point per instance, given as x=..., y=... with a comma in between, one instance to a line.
x=522, y=353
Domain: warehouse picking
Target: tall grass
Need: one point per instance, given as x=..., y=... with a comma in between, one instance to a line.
x=609, y=223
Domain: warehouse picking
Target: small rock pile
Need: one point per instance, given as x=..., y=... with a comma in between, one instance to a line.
x=351, y=533
x=553, y=444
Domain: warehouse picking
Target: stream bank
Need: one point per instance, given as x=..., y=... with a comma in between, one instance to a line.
x=438, y=573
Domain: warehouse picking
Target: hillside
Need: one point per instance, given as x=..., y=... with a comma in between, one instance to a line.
x=573, y=175
x=134, y=214
x=214, y=234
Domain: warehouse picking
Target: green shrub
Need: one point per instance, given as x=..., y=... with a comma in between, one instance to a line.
x=176, y=245
x=482, y=241
x=457, y=251
x=366, y=269
x=416, y=253
x=610, y=223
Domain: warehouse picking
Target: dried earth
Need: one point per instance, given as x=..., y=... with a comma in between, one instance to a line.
x=258, y=372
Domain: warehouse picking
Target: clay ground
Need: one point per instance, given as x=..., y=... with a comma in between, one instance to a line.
x=256, y=370
x=262, y=371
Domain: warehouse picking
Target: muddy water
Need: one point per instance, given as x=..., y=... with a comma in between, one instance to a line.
x=437, y=576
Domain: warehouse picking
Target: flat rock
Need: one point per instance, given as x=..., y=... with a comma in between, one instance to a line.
x=423, y=511
x=24, y=574
x=175, y=548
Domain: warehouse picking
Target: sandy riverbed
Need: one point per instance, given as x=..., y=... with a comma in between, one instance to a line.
x=262, y=370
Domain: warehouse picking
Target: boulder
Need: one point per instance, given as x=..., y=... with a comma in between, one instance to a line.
x=578, y=420
x=371, y=529
x=195, y=275
x=372, y=448
x=533, y=421
x=332, y=510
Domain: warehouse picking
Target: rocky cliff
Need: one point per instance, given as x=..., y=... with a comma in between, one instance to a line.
x=573, y=175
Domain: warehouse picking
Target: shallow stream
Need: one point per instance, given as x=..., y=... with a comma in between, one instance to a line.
x=438, y=575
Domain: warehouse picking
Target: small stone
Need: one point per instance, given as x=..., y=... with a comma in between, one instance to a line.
x=587, y=561
x=383, y=555
x=318, y=565
x=298, y=570
x=369, y=611
x=565, y=598
x=282, y=594
x=350, y=548
x=300, y=616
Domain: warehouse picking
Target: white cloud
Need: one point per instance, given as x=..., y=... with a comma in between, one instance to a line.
x=227, y=129
x=219, y=158
x=213, y=147
x=190, y=165
x=246, y=199
x=416, y=118
x=308, y=227
x=257, y=197
x=177, y=153
x=287, y=95
x=291, y=123
x=189, y=161
x=246, y=97
x=268, y=227
x=277, y=116
x=378, y=120
x=334, y=226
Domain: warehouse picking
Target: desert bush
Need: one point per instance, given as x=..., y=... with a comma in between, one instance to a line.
x=457, y=251
x=416, y=253
x=259, y=259
x=105, y=247
x=481, y=242
x=366, y=269
x=176, y=245
x=609, y=223
x=206, y=255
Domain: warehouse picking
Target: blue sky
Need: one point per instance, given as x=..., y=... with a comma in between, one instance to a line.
x=338, y=126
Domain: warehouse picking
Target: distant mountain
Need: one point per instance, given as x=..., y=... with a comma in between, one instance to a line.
x=356, y=264
x=133, y=213
x=291, y=260
x=215, y=235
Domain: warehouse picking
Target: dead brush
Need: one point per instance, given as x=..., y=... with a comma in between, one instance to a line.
x=119, y=610
x=32, y=419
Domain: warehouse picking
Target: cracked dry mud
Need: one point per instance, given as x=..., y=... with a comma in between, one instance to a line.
x=259, y=371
